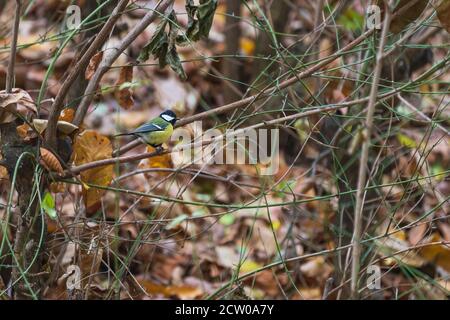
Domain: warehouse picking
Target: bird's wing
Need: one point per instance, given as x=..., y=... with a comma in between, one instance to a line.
x=149, y=127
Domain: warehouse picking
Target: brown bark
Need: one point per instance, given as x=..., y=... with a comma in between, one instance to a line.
x=31, y=228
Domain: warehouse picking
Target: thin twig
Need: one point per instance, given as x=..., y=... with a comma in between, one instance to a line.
x=12, y=56
x=381, y=98
x=360, y=194
x=423, y=115
x=264, y=93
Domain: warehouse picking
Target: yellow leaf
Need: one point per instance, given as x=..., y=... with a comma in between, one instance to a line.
x=249, y=266
x=91, y=146
x=247, y=46
x=406, y=141
x=159, y=161
x=438, y=254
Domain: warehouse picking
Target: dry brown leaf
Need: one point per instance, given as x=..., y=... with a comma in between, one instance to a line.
x=24, y=131
x=18, y=101
x=124, y=96
x=313, y=293
x=67, y=115
x=91, y=146
x=3, y=172
x=417, y=233
x=316, y=267
x=50, y=162
x=443, y=13
x=93, y=65
x=57, y=187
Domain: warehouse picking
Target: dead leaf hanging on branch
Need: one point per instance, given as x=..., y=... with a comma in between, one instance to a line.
x=123, y=94
x=91, y=146
x=50, y=162
x=93, y=65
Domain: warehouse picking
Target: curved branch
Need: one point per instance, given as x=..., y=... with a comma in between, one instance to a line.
x=82, y=64
x=114, y=54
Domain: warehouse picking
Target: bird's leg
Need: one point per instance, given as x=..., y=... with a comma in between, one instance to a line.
x=159, y=148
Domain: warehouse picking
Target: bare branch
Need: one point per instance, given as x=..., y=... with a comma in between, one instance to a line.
x=12, y=56
x=264, y=93
x=113, y=54
x=360, y=194
x=81, y=65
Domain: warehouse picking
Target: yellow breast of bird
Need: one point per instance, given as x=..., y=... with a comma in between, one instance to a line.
x=159, y=137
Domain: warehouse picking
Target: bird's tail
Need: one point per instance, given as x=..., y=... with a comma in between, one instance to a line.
x=122, y=134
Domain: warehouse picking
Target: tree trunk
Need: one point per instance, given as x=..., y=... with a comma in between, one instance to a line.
x=31, y=228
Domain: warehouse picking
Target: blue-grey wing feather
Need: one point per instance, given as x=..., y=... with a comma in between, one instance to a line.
x=148, y=127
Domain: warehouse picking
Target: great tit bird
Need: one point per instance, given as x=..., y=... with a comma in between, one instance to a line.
x=157, y=131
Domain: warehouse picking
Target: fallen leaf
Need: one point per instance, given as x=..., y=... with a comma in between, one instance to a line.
x=406, y=141
x=438, y=254
x=249, y=266
x=247, y=46
x=316, y=267
x=18, y=101
x=181, y=291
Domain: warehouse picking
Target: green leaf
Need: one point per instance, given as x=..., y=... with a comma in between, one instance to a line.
x=157, y=43
x=48, y=205
x=351, y=20
x=172, y=58
x=163, y=46
x=205, y=15
x=200, y=19
x=438, y=171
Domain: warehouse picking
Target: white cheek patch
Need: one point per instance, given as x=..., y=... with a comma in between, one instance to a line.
x=167, y=117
